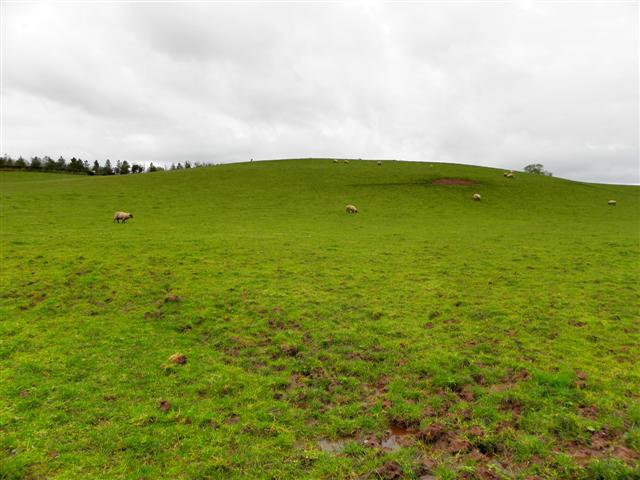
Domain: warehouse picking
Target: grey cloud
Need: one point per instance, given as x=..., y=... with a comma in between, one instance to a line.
x=492, y=84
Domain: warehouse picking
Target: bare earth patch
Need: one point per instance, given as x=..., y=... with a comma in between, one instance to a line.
x=453, y=181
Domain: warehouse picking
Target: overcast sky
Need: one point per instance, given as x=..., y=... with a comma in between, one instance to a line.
x=489, y=83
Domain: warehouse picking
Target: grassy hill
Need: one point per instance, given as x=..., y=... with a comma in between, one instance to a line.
x=427, y=335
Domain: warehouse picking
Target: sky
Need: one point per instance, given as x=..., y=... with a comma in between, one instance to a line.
x=501, y=84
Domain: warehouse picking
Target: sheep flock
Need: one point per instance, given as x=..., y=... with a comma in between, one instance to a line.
x=124, y=216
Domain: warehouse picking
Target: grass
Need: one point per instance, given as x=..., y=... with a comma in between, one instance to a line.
x=501, y=335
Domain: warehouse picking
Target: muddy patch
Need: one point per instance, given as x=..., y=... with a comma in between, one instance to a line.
x=332, y=446
x=396, y=438
x=391, y=440
x=390, y=470
x=453, y=181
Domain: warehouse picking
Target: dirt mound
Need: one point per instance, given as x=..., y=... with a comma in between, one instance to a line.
x=453, y=181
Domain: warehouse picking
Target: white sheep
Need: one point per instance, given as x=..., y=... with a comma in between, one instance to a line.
x=124, y=216
x=346, y=161
x=335, y=160
x=379, y=162
x=612, y=203
x=351, y=209
x=477, y=197
x=508, y=174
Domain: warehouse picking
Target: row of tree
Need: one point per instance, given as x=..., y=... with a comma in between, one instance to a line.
x=79, y=166
x=76, y=165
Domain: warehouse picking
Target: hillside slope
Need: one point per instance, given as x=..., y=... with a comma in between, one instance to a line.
x=427, y=333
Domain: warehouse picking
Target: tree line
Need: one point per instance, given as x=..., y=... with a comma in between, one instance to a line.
x=538, y=169
x=83, y=167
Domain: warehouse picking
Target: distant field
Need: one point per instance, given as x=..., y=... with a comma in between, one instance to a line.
x=427, y=336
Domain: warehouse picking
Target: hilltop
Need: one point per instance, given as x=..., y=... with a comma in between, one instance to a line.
x=427, y=334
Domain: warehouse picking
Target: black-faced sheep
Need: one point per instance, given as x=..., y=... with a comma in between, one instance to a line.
x=351, y=209
x=612, y=203
x=124, y=216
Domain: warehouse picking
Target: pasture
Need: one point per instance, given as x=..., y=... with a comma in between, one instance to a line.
x=426, y=336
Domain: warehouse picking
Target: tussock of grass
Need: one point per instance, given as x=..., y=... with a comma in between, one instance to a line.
x=510, y=323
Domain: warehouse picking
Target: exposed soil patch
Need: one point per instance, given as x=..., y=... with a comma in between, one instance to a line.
x=486, y=473
x=589, y=411
x=511, y=404
x=466, y=394
x=603, y=444
x=443, y=440
x=453, y=181
x=432, y=433
x=390, y=470
x=401, y=424
x=289, y=350
x=232, y=420
x=518, y=376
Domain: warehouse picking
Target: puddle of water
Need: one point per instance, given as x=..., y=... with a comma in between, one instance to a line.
x=401, y=432
x=395, y=440
x=391, y=444
x=335, y=446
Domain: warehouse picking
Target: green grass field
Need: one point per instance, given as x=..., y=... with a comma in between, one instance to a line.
x=427, y=336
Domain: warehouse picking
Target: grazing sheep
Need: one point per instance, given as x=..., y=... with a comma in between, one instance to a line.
x=335, y=160
x=346, y=161
x=379, y=162
x=124, y=216
x=351, y=209
x=508, y=174
x=612, y=203
x=477, y=197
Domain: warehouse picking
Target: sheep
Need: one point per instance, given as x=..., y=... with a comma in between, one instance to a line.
x=508, y=174
x=379, y=162
x=612, y=203
x=477, y=197
x=124, y=216
x=351, y=209
x=346, y=161
x=335, y=160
